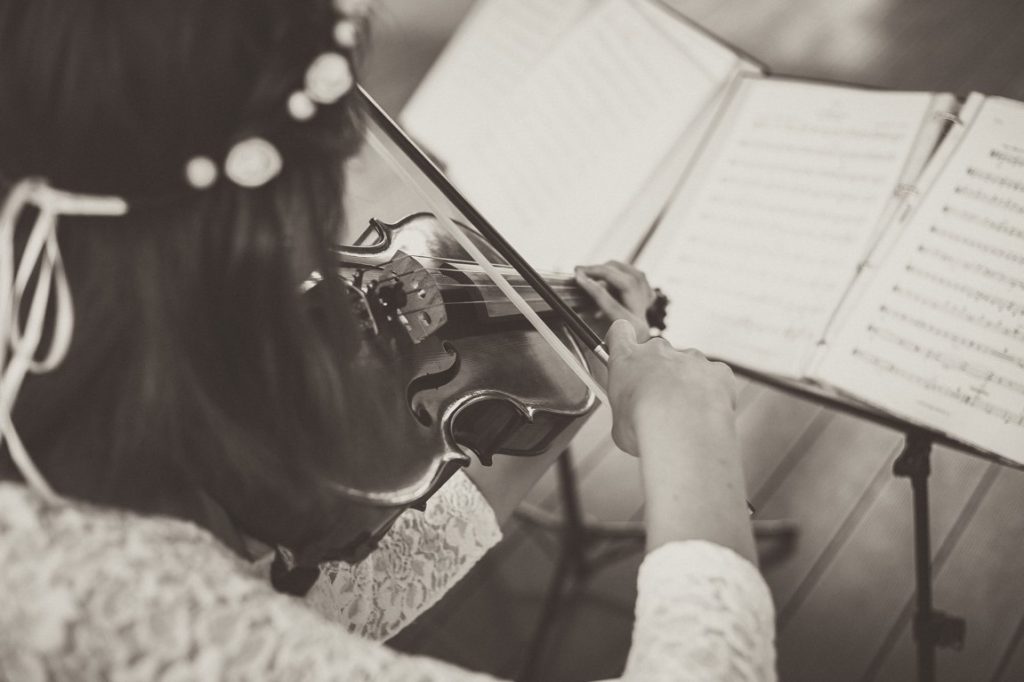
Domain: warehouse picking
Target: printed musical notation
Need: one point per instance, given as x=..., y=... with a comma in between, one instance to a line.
x=492, y=53
x=939, y=335
x=770, y=228
x=577, y=140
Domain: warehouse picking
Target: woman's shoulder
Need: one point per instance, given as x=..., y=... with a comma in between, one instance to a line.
x=88, y=593
x=73, y=550
x=92, y=591
x=67, y=527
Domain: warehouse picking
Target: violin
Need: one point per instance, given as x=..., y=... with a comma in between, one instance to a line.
x=474, y=371
x=478, y=379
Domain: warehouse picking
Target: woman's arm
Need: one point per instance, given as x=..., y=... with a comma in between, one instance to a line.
x=676, y=411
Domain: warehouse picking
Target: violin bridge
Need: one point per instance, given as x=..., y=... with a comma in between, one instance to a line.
x=409, y=295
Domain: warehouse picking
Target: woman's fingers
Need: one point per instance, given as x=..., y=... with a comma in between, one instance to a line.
x=621, y=338
x=634, y=273
x=622, y=301
x=620, y=280
x=628, y=284
x=604, y=299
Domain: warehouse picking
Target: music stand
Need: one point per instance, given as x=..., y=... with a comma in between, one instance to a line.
x=932, y=628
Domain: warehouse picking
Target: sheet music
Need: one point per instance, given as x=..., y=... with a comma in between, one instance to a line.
x=564, y=155
x=944, y=108
x=765, y=235
x=626, y=234
x=939, y=338
x=493, y=51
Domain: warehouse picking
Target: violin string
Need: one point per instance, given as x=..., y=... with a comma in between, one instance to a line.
x=444, y=268
x=457, y=261
x=525, y=287
x=546, y=273
x=567, y=291
x=482, y=285
x=432, y=306
x=565, y=282
x=516, y=277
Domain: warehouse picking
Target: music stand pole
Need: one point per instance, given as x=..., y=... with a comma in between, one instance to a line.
x=932, y=628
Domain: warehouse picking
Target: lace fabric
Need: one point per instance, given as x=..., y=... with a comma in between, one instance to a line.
x=94, y=594
x=704, y=610
x=418, y=561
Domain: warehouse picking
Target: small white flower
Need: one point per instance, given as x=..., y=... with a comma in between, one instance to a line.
x=253, y=162
x=300, y=106
x=201, y=172
x=346, y=34
x=328, y=78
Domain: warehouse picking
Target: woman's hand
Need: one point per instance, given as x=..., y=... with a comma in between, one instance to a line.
x=676, y=410
x=652, y=382
x=620, y=291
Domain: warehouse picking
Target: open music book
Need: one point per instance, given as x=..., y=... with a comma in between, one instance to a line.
x=868, y=241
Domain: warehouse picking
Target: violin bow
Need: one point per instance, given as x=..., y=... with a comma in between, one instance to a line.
x=580, y=329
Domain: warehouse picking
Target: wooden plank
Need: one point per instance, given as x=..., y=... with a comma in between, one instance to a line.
x=847, y=606
x=839, y=472
x=769, y=427
x=613, y=489
x=590, y=445
x=980, y=581
x=494, y=625
x=1011, y=666
x=593, y=635
x=486, y=620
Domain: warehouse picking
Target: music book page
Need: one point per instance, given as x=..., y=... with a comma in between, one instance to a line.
x=765, y=235
x=491, y=53
x=944, y=109
x=939, y=336
x=577, y=140
x=626, y=234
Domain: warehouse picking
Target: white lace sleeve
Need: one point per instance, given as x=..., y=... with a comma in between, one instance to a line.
x=702, y=609
x=89, y=595
x=418, y=561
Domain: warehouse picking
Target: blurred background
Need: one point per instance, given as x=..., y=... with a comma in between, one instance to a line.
x=844, y=592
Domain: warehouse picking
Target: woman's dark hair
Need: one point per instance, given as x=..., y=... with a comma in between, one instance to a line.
x=194, y=370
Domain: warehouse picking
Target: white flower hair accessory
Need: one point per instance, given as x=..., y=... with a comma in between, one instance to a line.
x=250, y=163
x=328, y=78
x=255, y=161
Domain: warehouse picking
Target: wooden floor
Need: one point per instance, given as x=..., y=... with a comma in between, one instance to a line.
x=844, y=593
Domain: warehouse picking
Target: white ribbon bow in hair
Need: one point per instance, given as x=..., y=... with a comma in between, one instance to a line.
x=19, y=345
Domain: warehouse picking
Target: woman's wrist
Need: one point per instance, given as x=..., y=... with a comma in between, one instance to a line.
x=693, y=479
x=707, y=424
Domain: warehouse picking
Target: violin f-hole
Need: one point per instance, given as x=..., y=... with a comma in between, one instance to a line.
x=437, y=374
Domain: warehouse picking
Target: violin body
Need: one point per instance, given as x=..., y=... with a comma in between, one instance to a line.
x=478, y=379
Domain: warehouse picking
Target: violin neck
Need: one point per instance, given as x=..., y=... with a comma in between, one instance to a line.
x=498, y=305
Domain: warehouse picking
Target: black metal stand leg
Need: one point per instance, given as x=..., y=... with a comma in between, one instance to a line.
x=932, y=628
x=572, y=565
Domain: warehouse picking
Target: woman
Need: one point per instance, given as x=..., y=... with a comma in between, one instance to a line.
x=184, y=409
